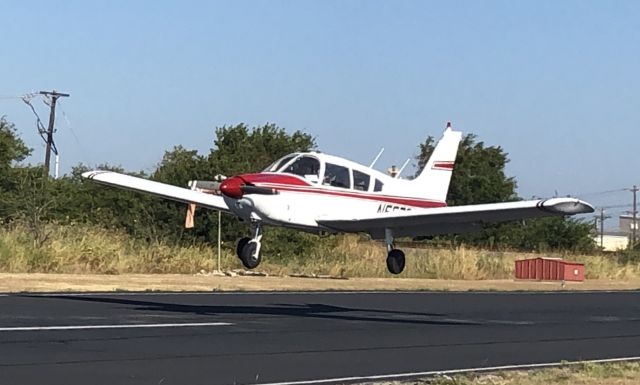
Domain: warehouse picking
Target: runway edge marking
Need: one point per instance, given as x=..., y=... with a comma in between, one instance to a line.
x=451, y=371
x=114, y=326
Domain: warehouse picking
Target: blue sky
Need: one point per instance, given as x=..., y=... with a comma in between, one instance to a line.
x=555, y=83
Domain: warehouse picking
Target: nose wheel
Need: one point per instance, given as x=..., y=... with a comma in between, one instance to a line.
x=248, y=249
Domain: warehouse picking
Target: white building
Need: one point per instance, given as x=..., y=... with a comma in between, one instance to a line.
x=613, y=240
x=626, y=223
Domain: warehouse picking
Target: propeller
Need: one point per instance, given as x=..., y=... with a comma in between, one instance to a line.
x=234, y=187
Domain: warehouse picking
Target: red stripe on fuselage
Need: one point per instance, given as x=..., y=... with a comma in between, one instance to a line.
x=413, y=202
x=284, y=179
x=293, y=183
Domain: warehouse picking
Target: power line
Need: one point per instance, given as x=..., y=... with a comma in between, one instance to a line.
x=27, y=95
x=75, y=136
x=617, y=206
x=601, y=192
x=41, y=130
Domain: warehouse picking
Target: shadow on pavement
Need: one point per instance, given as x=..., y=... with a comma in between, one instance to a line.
x=309, y=310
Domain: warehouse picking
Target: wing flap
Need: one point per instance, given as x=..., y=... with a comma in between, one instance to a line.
x=457, y=219
x=175, y=193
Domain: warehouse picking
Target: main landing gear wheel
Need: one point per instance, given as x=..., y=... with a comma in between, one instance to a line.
x=395, y=261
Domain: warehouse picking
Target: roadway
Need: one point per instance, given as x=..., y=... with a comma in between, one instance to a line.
x=246, y=338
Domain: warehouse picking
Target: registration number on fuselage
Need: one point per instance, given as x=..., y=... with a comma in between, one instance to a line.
x=386, y=208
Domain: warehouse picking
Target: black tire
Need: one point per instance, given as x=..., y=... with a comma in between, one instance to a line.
x=395, y=261
x=248, y=256
x=241, y=243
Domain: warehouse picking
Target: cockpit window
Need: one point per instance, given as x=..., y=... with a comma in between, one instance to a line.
x=361, y=181
x=377, y=186
x=305, y=166
x=337, y=176
x=275, y=166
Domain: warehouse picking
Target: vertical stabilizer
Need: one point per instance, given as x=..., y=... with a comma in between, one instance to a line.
x=433, y=181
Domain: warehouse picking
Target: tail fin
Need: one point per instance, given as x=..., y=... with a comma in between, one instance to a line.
x=433, y=181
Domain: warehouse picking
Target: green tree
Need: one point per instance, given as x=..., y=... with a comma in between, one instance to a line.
x=79, y=200
x=238, y=149
x=557, y=233
x=12, y=148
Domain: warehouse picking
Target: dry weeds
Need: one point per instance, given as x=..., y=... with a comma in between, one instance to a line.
x=91, y=250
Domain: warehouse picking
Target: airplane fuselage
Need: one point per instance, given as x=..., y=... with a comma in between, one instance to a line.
x=300, y=203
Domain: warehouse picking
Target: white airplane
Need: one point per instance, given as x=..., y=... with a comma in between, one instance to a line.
x=317, y=192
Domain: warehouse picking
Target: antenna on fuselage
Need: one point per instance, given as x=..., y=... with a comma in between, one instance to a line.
x=376, y=158
x=406, y=162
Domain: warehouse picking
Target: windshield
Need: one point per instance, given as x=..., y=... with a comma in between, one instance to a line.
x=305, y=166
x=275, y=166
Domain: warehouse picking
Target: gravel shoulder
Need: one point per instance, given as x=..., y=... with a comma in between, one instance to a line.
x=11, y=283
x=620, y=373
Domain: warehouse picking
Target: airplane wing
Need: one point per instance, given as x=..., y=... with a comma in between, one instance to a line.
x=163, y=190
x=456, y=219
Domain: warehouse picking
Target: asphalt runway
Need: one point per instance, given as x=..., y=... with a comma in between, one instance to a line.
x=246, y=338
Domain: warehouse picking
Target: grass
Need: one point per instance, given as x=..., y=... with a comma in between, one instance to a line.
x=620, y=373
x=86, y=249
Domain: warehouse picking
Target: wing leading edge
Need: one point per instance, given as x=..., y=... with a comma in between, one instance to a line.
x=179, y=194
x=456, y=219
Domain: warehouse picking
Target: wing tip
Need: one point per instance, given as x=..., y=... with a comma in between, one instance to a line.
x=93, y=173
x=567, y=206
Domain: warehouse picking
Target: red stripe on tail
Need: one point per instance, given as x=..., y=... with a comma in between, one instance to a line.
x=442, y=165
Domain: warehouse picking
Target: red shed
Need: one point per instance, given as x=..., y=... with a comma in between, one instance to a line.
x=549, y=269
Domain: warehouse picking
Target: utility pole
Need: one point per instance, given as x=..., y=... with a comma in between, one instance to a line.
x=52, y=117
x=602, y=217
x=219, y=238
x=634, y=223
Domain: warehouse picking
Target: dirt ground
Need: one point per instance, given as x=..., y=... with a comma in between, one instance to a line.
x=621, y=373
x=11, y=283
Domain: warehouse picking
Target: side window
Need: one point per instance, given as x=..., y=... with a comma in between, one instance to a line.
x=305, y=166
x=377, y=186
x=361, y=181
x=337, y=176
